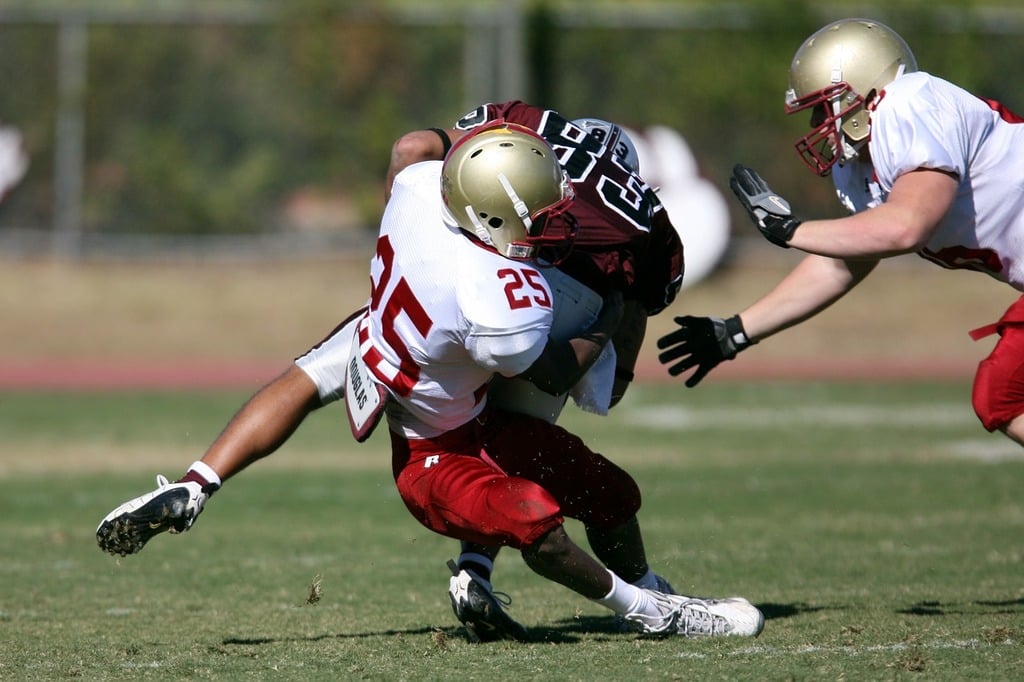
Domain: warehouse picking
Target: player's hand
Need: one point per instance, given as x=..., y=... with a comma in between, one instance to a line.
x=769, y=211
x=701, y=342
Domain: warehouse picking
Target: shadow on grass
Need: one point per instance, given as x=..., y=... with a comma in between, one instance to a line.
x=938, y=608
x=565, y=631
x=557, y=634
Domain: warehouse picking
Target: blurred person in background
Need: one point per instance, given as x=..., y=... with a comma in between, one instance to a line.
x=922, y=166
x=456, y=299
x=626, y=243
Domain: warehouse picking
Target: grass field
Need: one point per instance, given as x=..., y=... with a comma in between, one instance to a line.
x=877, y=526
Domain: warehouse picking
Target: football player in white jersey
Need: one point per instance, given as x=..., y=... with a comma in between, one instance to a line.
x=922, y=166
x=625, y=242
x=457, y=298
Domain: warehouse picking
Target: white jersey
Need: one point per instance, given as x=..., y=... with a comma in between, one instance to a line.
x=446, y=313
x=922, y=121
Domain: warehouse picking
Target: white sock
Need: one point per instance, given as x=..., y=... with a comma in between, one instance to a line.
x=480, y=560
x=625, y=598
x=206, y=471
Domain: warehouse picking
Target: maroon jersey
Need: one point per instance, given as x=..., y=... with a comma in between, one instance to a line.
x=626, y=240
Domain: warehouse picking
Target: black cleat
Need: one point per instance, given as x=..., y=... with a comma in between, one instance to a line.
x=478, y=608
x=171, y=507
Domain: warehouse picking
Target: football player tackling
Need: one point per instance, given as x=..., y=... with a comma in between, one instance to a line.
x=625, y=243
x=457, y=298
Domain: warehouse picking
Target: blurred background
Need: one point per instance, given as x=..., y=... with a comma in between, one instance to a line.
x=219, y=131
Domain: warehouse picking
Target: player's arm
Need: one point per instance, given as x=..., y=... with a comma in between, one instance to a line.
x=903, y=224
x=702, y=343
x=628, y=339
x=418, y=145
x=812, y=286
x=562, y=364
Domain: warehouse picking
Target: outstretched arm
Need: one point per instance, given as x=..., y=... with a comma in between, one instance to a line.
x=813, y=285
x=903, y=224
x=702, y=343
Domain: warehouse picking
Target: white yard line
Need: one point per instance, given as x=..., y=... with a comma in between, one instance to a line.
x=984, y=448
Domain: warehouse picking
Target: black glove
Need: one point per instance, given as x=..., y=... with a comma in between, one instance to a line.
x=702, y=342
x=768, y=210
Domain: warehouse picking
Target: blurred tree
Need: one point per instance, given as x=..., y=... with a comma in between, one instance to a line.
x=202, y=125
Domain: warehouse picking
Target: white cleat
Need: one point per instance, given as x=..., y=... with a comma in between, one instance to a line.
x=700, y=617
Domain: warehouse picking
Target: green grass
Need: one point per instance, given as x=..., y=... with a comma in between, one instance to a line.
x=878, y=527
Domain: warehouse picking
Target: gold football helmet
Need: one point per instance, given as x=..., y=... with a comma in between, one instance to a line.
x=503, y=184
x=837, y=71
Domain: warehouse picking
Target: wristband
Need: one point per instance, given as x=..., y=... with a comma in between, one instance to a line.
x=737, y=334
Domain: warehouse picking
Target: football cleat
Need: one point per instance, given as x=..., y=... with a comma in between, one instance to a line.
x=480, y=609
x=697, y=617
x=172, y=507
x=623, y=624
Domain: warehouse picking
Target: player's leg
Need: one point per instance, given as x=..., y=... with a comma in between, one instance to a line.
x=465, y=496
x=475, y=602
x=477, y=558
x=588, y=487
x=171, y=507
x=257, y=429
x=605, y=498
x=556, y=557
x=449, y=493
x=1015, y=429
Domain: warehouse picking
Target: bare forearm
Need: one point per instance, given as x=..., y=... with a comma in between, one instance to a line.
x=903, y=224
x=813, y=285
x=871, y=235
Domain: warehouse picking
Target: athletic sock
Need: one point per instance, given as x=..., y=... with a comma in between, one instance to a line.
x=627, y=599
x=479, y=564
x=202, y=473
x=649, y=581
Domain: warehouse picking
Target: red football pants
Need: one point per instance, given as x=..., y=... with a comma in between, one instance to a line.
x=998, y=395
x=507, y=479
